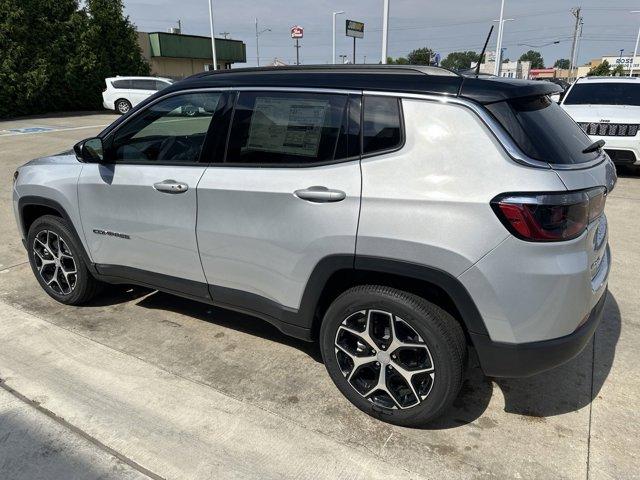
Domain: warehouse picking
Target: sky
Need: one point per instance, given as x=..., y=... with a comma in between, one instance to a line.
x=442, y=25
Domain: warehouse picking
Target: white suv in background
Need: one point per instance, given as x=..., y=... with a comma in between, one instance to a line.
x=608, y=108
x=123, y=93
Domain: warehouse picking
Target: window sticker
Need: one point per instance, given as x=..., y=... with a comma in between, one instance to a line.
x=287, y=125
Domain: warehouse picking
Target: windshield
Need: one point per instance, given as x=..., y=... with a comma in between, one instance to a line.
x=604, y=93
x=543, y=130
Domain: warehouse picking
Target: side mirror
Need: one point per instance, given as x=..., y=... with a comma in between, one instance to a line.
x=89, y=150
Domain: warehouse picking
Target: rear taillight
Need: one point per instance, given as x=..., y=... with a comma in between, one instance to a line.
x=549, y=217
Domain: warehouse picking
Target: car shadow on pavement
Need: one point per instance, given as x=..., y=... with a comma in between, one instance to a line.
x=117, y=294
x=574, y=385
x=228, y=319
x=564, y=389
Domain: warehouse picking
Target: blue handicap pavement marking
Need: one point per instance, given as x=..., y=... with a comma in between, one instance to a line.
x=30, y=129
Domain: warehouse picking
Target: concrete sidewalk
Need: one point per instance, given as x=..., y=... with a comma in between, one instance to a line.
x=167, y=424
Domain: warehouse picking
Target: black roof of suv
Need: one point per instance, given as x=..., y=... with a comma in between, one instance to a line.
x=396, y=78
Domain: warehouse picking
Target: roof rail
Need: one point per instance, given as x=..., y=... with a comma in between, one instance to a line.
x=424, y=69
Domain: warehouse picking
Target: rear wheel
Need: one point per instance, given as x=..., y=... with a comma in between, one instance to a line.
x=57, y=263
x=123, y=106
x=394, y=355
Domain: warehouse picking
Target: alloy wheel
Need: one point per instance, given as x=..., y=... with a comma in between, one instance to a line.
x=384, y=359
x=54, y=262
x=123, y=107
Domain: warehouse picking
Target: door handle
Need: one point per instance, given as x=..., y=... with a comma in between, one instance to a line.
x=320, y=194
x=171, y=186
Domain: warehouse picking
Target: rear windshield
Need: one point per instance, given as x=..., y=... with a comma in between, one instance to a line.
x=604, y=93
x=543, y=130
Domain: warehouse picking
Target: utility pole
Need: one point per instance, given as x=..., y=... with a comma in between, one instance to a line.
x=385, y=31
x=574, y=46
x=213, y=38
x=635, y=51
x=333, y=55
x=224, y=34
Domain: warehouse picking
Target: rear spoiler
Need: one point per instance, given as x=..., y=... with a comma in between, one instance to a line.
x=497, y=89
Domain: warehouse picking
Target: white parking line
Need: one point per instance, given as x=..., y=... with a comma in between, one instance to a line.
x=63, y=129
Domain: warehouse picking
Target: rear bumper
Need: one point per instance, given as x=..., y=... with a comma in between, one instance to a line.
x=499, y=359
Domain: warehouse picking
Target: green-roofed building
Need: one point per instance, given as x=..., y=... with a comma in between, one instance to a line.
x=177, y=56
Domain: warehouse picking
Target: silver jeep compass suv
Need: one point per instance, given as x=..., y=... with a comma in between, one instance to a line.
x=399, y=216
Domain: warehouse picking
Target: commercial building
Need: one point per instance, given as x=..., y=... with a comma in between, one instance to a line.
x=626, y=62
x=176, y=56
x=508, y=69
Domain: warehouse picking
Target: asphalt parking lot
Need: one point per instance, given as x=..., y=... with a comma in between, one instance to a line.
x=140, y=384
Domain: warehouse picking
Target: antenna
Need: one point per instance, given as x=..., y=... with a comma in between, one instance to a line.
x=484, y=49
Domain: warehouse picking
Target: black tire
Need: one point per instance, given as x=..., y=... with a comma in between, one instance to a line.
x=70, y=288
x=438, y=331
x=122, y=106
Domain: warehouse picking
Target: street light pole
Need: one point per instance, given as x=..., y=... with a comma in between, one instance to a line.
x=500, y=49
x=333, y=56
x=385, y=31
x=213, y=38
x=496, y=70
x=258, y=33
x=635, y=51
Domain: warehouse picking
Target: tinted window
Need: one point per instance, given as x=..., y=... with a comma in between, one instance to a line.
x=604, y=93
x=543, y=130
x=274, y=128
x=123, y=84
x=382, y=125
x=159, y=84
x=143, y=84
x=172, y=130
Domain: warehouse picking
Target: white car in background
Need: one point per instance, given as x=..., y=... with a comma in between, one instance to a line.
x=123, y=93
x=608, y=108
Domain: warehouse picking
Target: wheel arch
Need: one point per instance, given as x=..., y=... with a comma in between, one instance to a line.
x=32, y=207
x=431, y=283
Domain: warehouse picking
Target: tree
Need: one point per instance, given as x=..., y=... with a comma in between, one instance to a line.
x=106, y=47
x=534, y=57
x=397, y=61
x=562, y=63
x=460, y=60
x=602, y=70
x=420, y=56
x=55, y=57
x=35, y=39
x=618, y=71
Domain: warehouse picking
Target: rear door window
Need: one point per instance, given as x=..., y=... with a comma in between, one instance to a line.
x=143, y=84
x=382, y=128
x=288, y=128
x=159, y=84
x=543, y=130
x=604, y=93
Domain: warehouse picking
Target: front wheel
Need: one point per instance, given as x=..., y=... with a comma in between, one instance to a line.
x=56, y=261
x=394, y=355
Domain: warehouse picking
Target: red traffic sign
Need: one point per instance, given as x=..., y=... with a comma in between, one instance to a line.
x=297, y=32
